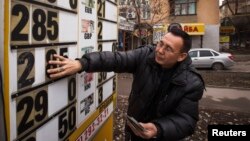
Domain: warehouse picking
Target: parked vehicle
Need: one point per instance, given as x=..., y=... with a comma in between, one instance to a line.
x=209, y=58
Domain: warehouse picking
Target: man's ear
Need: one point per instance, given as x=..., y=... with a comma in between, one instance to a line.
x=181, y=57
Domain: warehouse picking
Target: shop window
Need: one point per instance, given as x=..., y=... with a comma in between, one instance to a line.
x=184, y=7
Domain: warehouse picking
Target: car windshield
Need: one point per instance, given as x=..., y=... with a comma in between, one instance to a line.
x=193, y=54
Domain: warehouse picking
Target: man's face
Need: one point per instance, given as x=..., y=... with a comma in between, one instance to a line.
x=168, y=51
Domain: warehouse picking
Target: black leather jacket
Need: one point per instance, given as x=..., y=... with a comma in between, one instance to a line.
x=173, y=107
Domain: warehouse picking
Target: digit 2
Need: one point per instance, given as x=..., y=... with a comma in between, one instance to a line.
x=99, y=30
x=101, y=8
x=28, y=104
x=23, y=81
x=16, y=34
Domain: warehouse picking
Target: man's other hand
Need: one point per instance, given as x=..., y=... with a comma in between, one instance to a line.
x=65, y=67
x=150, y=130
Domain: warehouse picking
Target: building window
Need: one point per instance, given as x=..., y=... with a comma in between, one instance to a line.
x=145, y=9
x=184, y=7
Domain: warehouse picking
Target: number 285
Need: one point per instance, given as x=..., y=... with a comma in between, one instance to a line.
x=45, y=24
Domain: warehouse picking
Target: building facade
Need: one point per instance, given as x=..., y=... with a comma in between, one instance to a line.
x=200, y=18
x=235, y=23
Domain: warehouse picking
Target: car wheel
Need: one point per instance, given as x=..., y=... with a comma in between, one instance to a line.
x=218, y=66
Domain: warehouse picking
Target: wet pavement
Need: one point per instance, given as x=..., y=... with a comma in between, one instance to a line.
x=218, y=106
x=237, y=100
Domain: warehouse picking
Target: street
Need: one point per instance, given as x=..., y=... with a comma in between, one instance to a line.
x=237, y=100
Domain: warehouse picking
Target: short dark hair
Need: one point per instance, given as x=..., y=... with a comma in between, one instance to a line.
x=187, y=41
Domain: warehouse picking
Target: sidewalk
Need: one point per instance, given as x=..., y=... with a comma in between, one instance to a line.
x=237, y=100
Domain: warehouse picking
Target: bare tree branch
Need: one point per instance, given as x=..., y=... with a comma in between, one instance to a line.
x=229, y=7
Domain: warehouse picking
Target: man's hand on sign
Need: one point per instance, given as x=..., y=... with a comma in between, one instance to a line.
x=66, y=67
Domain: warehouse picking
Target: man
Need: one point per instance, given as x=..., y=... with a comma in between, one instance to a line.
x=165, y=90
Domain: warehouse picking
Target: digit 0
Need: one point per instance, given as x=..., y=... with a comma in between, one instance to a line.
x=72, y=89
x=73, y=4
x=72, y=118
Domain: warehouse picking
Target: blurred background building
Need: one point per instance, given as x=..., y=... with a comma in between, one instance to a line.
x=235, y=24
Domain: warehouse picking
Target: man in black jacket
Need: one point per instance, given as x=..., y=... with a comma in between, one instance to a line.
x=165, y=90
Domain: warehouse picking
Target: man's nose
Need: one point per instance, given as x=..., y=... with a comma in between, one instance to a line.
x=161, y=50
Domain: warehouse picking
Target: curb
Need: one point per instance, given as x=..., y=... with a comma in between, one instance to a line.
x=223, y=87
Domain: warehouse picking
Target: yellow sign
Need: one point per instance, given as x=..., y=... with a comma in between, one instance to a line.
x=224, y=39
x=227, y=29
x=194, y=28
x=106, y=132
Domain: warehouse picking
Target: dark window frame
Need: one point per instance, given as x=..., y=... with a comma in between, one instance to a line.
x=188, y=2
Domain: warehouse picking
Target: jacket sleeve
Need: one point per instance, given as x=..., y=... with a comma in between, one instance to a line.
x=182, y=121
x=113, y=61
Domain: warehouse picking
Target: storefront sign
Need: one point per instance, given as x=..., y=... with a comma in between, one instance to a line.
x=227, y=29
x=190, y=28
x=224, y=39
x=194, y=28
